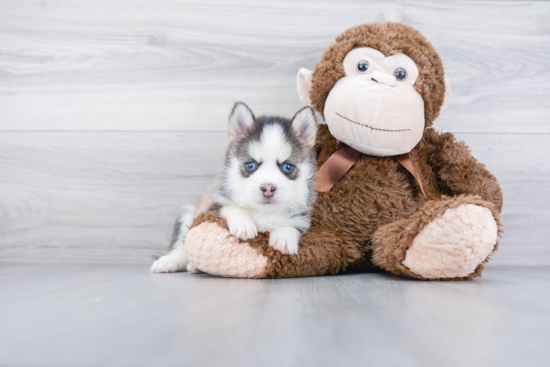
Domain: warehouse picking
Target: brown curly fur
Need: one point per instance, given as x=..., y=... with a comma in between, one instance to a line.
x=369, y=219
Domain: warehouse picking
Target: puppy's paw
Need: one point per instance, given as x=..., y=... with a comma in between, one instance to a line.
x=242, y=227
x=285, y=240
x=168, y=264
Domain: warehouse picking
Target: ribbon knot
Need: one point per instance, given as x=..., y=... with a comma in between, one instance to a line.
x=344, y=158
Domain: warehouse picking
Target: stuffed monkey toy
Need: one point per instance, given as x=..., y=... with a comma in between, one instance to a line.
x=394, y=194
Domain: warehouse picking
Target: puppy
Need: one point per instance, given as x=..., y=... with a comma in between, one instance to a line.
x=266, y=184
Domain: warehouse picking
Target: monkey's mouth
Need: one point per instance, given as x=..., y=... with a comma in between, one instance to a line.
x=370, y=127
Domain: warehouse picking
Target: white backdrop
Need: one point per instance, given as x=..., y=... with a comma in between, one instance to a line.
x=113, y=113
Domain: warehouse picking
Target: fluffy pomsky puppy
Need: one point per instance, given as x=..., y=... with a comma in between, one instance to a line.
x=266, y=184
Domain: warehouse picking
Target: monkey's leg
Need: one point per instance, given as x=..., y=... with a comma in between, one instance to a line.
x=213, y=250
x=448, y=239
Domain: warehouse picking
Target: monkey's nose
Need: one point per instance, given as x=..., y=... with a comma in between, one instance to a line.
x=268, y=190
x=383, y=78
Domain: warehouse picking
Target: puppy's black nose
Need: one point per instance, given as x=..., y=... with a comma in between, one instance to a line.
x=268, y=190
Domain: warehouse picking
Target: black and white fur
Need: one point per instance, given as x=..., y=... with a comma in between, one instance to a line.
x=257, y=191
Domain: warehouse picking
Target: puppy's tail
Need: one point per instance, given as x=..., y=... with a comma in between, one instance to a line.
x=188, y=213
x=182, y=225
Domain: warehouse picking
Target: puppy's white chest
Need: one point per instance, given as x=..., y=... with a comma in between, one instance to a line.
x=266, y=221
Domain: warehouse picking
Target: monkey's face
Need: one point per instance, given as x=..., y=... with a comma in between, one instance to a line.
x=375, y=108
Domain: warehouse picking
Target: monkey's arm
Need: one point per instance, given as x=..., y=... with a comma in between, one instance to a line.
x=213, y=250
x=451, y=237
x=459, y=173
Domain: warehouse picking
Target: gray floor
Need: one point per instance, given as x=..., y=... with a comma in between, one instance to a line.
x=120, y=315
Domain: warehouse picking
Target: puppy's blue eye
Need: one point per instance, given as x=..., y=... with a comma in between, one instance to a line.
x=250, y=166
x=287, y=167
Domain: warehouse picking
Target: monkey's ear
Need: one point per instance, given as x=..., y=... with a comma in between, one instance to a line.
x=447, y=97
x=240, y=119
x=304, y=85
x=305, y=124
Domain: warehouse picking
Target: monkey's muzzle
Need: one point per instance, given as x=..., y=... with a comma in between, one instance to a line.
x=375, y=115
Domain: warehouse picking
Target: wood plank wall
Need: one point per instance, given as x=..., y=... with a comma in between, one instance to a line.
x=113, y=113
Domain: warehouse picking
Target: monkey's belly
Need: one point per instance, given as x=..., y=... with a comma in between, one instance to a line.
x=375, y=192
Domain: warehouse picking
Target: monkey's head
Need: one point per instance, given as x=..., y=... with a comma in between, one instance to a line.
x=378, y=87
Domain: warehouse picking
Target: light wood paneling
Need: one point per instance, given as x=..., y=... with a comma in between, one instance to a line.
x=112, y=114
x=521, y=163
x=113, y=197
x=166, y=65
x=99, y=197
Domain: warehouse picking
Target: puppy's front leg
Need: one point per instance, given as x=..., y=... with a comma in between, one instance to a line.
x=240, y=224
x=285, y=239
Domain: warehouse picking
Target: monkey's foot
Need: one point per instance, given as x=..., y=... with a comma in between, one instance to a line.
x=454, y=244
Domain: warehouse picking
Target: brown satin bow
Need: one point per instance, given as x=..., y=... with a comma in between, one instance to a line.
x=344, y=158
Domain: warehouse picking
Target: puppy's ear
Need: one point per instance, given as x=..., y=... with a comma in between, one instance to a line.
x=240, y=119
x=305, y=124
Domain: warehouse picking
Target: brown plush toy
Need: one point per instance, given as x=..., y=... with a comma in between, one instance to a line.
x=395, y=194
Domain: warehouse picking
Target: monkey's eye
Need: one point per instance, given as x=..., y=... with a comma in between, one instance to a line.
x=400, y=74
x=363, y=66
x=287, y=167
x=250, y=166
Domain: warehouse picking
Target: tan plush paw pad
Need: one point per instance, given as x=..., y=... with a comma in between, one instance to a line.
x=213, y=250
x=454, y=244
